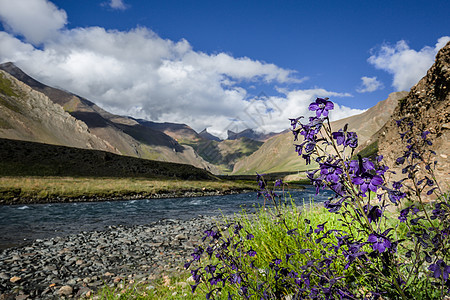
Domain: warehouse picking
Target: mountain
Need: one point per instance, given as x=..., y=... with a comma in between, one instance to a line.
x=222, y=154
x=226, y=153
x=427, y=105
x=182, y=133
x=208, y=136
x=119, y=134
x=277, y=153
x=250, y=134
x=29, y=115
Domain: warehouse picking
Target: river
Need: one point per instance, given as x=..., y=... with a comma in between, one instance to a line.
x=20, y=224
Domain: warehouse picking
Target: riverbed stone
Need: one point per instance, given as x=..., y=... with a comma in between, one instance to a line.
x=75, y=265
x=65, y=290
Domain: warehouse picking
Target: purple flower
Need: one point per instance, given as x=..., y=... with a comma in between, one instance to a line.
x=193, y=287
x=400, y=160
x=277, y=261
x=216, y=279
x=379, y=242
x=320, y=228
x=352, y=140
x=373, y=213
x=210, y=251
x=367, y=165
x=339, y=137
x=353, y=165
x=278, y=182
x=321, y=107
x=288, y=256
x=211, y=233
x=334, y=206
x=236, y=278
x=298, y=148
x=237, y=228
x=197, y=253
x=310, y=147
x=368, y=182
x=251, y=252
x=396, y=196
x=424, y=134
x=399, y=122
x=440, y=269
x=210, y=269
x=292, y=231
x=352, y=253
x=397, y=184
x=331, y=172
x=294, y=122
x=196, y=276
x=310, y=130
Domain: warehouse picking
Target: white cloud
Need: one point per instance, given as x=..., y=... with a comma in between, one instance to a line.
x=406, y=65
x=369, y=84
x=35, y=20
x=117, y=4
x=140, y=74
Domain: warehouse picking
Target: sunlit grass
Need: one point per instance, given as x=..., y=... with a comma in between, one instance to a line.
x=74, y=187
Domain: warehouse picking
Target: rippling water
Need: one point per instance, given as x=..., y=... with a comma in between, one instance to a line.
x=20, y=224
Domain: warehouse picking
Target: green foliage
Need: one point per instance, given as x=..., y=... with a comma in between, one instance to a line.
x=165, y=287
x=5, y=87
x=370, y=151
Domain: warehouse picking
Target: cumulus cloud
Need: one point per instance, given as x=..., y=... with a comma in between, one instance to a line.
x=369, y=84
x=116, y=4
x=406, y=65
x=138, y=73
x=36, y=20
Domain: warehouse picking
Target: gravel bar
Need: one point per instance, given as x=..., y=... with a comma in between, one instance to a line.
x=76, y=265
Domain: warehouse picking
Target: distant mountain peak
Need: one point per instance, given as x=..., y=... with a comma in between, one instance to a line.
x=208, y=136
x=251, y=134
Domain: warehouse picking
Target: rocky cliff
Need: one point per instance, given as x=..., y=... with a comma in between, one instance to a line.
x=428, y=106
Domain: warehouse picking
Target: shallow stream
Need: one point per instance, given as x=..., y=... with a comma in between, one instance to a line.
x=20, y=224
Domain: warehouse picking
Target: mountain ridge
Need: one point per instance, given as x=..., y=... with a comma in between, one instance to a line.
x=124, y=135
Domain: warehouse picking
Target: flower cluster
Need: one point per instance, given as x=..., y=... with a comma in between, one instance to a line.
x=371, y=254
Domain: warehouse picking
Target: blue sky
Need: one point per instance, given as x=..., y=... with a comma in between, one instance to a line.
x=207, y=63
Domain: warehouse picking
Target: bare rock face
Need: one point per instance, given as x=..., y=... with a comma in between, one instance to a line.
x=428, y=106
x=29, y=115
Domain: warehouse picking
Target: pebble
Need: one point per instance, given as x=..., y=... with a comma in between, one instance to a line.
x=65, y=290
x=77, y=265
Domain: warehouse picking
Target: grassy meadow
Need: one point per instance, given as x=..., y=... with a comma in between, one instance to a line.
x=25, y=189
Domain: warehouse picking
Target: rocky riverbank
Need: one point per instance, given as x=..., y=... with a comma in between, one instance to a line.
x=74, y=266
x=132, y=196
